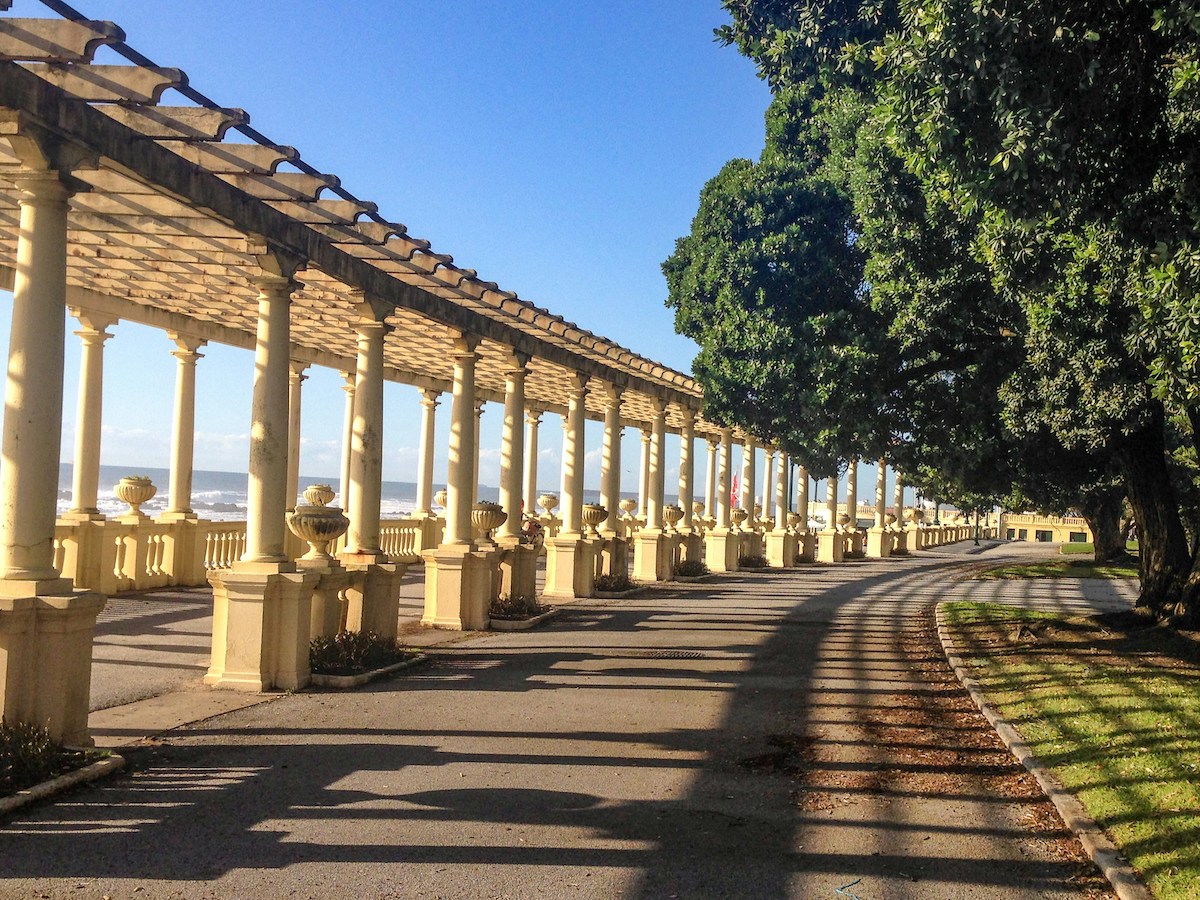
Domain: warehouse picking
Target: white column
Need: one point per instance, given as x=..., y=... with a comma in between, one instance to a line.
x=33, y=396
x=475, y=492
x=183, y=425
x=461, y=465
x=85, y=474
x=610, y=460
x=852, y=492
x=533, y=418
x=749, y=448
x=366, y=450
x=644, y=474
x=429, y=405
x=687, y=438
x=710, y=479
x=881, y=494
x=658, y=433
x=295, y=379
x=831, y=501
x=802, y=497
x=347, y=439
x=266, y=499
x=512, y=445
x=782, y=476
x=724, y=489
x=573, y=453
x=768, y=486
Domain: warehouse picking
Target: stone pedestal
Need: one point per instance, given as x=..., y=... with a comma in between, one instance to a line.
x=46, y=634
x=918, y=538
x=691, y=546
x=781, y=548
x=460, y=585
x=653, y=555
x=373, y=594
x=262, y=613
x=831, y=546
x=185, y=548
x=752, y=544
x=899, y=541
x=614, y=555
x=327, y=615
x=806, y=547
x=879, y=543
x=518, y=568
x=854, y=543
x=722, y=549
x=570, y=566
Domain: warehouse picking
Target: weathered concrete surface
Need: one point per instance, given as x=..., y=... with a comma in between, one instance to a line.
x=766, y=735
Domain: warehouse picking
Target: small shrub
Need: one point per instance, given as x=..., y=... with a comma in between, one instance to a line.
x=752, y=562
x=352, y=652
x=28, y=756
x=691, y=568
x=614, y=584
x=518, y=607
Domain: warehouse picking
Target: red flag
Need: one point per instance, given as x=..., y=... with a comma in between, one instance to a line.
x=735, y=494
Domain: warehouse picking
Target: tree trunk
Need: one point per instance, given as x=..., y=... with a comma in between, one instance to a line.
x=1165, y=562
x=1102, y=510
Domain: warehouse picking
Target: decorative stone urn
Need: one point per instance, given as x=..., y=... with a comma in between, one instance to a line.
x=889, y=519
x=758, y=510
x=628, y=505
x=593, y=515
x=843, y=521
x=439, y=499
x=548, y=502
x=737, y=515
x=318, y=494
x=486, y=517
x=316, y=523
x=135, y=490
x=793, y=520
x=698, y=507
x=915, y=515
x=672, y=515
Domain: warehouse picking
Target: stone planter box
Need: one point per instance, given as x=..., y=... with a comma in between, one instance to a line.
x=350, y=681
x=522, y=624
x=693, y=579
x=100, y=768
x=616, y=595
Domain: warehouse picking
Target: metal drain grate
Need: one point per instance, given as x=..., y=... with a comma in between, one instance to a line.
x=671, y=654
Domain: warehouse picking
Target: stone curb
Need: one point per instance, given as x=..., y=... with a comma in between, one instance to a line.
x=353, y=681
x=522, y=624
x=98, y=769
x=1118, y=871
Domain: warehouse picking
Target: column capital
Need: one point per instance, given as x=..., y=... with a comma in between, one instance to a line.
x=611, y=395
x=185, y=343
x=298, y=368
x=577, y=385
x=688, y=414
x=93, y=323
x=44, y=186
x=647, y=433
x=465, y=344
x=479, y=407
x=517, y=364
x=350, y=378
x=274, y=285
x=371, y=309
x=429, y=398
x=533, y=415
x=370, y=328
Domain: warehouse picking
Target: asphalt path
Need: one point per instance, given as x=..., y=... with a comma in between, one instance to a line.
x=763, y=735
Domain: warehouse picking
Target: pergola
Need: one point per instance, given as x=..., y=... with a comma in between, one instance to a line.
x=126, y=194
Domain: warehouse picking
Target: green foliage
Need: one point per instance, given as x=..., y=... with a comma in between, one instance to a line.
x=691, y=568
x=517, y=607
x=752, y=562
x=354, y=652
x=28, y=756
x=614, y=584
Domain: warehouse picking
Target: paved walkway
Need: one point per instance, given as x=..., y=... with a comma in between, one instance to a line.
x=765, y=735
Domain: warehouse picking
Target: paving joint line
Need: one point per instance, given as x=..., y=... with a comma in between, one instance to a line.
x=1098, y=846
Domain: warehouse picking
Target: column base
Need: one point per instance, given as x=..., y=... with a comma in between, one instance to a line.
x=653, y=555
x=831, y=546
x=571, y=566
x=806, y=547
x=46, y=636
x=781, y=548
x=373, y=595
x=722, y=549
x=262, y=613
x=879, y=543
x=82, y=515
x=518, y=568
x=460, y=585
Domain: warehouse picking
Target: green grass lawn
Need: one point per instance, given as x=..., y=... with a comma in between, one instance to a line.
x=1065, y=568
x=1071, y=549
x=1113, y=707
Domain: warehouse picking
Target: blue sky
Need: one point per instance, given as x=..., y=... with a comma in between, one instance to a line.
x=557, y=147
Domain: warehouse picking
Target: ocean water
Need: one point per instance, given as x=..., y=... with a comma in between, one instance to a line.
x=221, y=496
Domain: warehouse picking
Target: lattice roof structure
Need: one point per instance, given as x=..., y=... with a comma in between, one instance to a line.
x=179, y=197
